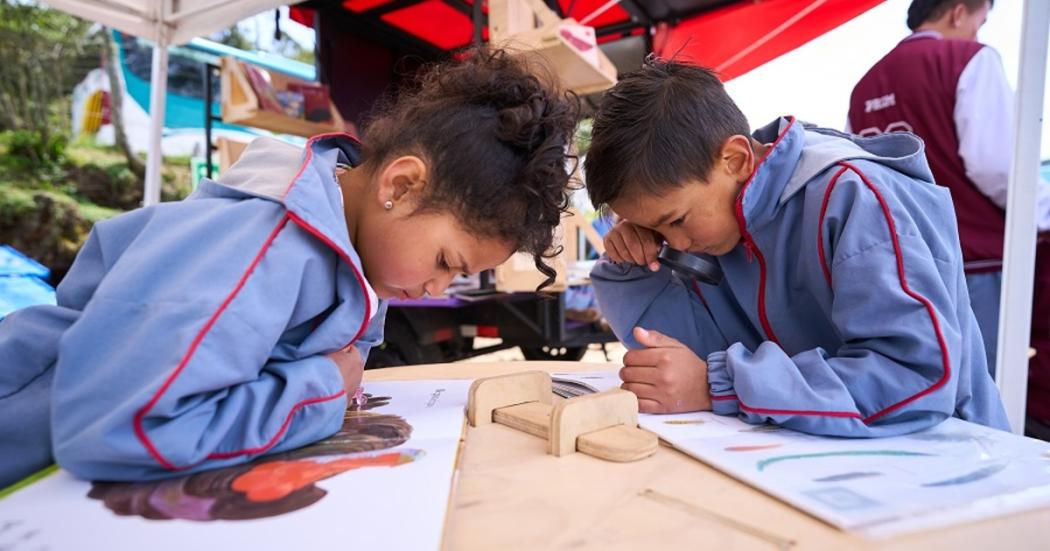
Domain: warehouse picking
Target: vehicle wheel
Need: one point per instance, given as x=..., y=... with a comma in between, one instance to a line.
x=553, y=353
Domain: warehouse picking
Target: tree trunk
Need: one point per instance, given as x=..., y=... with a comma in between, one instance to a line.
x=116, y=106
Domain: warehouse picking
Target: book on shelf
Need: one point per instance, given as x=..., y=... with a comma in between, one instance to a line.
x=317, y=106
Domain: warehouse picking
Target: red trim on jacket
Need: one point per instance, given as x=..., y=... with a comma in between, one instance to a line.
x=140, y=432
x=280, y=432
x=820, y=225
x=946, y=362
x=767, y=411
x=310, y=154
x=749, y=242
x=696, y=289
x=360, y=278
x=812, y=413
x=945, y=359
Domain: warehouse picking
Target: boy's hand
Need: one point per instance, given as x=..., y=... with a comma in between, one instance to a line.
x=627, y=242
x=666, y=375
x=351, y=367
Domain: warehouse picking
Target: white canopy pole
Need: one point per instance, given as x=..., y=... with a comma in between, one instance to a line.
x=1015, y=310
x=157, y=100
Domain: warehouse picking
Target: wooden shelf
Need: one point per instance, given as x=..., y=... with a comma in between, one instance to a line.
x=240, y=105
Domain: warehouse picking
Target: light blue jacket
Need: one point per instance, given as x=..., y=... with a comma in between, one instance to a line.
x=192, y=335
x=844, y=310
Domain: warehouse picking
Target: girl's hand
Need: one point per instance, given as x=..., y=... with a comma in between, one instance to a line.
x=351, y=367
x=666, y=375
x=627, y=242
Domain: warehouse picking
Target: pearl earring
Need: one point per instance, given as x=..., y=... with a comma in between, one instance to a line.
x=388, y=205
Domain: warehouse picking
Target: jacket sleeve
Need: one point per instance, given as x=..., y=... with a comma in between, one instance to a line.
x=632, y=296
x=179, y=374
x=894, y=372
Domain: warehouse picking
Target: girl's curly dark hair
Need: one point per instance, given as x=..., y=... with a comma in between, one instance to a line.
x=496, y=134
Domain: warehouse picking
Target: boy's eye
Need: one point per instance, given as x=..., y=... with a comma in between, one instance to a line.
x=442, y=263
x=678, y=222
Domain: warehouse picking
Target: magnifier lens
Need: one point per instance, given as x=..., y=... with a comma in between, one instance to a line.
x=691, y=266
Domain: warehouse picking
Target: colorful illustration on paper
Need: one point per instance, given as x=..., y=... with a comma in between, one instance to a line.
x=762, y=428
x=842, y=498
x=271, y=485
x=848, y=476
x=847, y=453
x=752, y=448
x=979, y=474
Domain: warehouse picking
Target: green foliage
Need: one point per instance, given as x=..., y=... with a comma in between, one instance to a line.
x=53, y=192
x=46, y=225
x=583, y=136
x=234, y=38
x=43, y=52
x=48, y=215
x=288, y=47
x=29, y=150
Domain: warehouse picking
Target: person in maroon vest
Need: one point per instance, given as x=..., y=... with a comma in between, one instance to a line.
x=951, y=90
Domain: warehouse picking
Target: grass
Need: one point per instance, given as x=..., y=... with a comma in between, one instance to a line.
x=47, y=212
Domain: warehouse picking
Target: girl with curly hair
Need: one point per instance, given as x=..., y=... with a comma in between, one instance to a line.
x=207, y=332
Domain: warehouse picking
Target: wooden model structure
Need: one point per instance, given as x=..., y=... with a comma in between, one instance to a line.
x=603, y=425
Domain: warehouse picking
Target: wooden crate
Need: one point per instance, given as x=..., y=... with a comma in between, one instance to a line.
x=241, y=106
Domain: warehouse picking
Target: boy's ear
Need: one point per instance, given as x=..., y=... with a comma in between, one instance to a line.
x=737, y=156
x=957, y=13
x=402, y=177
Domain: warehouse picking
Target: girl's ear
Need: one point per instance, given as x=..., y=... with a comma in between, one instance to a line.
x=402, y=179
x=738, y=157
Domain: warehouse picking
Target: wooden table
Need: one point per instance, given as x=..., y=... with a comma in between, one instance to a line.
x=509, y=494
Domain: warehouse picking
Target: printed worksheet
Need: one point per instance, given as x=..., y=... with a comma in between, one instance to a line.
x=952, y=473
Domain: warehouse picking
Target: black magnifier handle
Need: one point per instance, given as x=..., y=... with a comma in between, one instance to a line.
x=701, y=267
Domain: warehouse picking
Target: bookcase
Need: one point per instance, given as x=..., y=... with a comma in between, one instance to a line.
x=242, y=105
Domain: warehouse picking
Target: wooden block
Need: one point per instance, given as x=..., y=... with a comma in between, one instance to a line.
x=531, y=417
x=491, y=393
x=621, y=444
x=519, y=273
x=531, y=28
x=587, y=414
x=229, y=151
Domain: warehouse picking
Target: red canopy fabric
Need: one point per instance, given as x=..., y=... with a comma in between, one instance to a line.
x=737, y=38
x=732, y=39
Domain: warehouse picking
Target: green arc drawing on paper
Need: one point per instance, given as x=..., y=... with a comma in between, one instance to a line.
x=900, y=453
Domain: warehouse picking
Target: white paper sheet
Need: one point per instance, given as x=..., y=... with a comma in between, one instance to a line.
x=954, y=472
x=393, y=496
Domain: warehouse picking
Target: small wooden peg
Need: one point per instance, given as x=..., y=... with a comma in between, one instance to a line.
x=604, y=425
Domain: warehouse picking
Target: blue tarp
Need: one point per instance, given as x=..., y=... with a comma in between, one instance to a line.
x=22, y=282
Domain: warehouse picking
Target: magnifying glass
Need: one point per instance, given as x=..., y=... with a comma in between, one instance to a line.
x=688, y=266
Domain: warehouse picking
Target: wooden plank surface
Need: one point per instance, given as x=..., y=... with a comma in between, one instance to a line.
x=510, y=494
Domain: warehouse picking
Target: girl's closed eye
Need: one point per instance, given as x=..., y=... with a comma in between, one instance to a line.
x=678, y=222
x=442, y=263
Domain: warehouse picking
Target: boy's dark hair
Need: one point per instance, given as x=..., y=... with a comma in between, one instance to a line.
x=659, y=127
x=496, y=138
x=922, y=11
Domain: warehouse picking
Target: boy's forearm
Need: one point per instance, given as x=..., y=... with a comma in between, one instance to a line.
x=809, y=392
